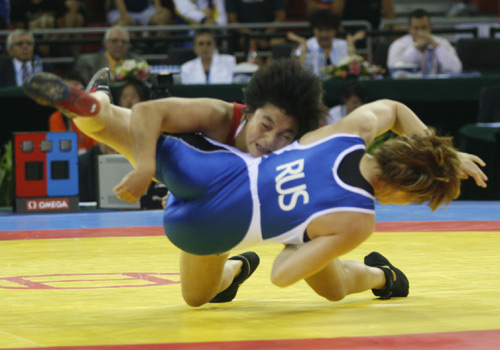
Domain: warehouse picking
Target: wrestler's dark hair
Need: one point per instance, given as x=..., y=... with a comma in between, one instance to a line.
x=288, y=86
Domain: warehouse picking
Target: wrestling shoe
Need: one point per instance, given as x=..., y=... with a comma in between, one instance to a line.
x=49, y=89
x=100, y=82
x=250, y=263
x=393, y=288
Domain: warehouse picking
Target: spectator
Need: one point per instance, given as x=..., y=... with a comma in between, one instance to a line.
x=4, y=14
x=209, y=67
x=58, y=122
x=21, y=62
x=130, y=93
x=462, y=8
x=138, y=12
x=318, y=4
x=242, y=11
x=352, y=95
x=369, y=10
x=49, y=14
x=324, y=49
x=116, y=44
x=431, y=54
x=200, y=12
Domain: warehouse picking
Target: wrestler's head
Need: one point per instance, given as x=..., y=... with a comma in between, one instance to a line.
x=418, y=168
x=284, y=101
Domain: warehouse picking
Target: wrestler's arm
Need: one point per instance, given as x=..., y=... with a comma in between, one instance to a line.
x=175, y=115
x=297, y=262
x=376, y=118
x=371, y=120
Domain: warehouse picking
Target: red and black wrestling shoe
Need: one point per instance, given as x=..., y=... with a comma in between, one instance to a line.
x=51, y=90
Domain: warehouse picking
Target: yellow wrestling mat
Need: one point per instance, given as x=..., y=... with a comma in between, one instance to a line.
x=90, y=292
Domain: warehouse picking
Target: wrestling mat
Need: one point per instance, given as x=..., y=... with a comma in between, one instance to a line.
x=109, y=280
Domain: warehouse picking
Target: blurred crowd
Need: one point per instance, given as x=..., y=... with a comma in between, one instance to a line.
x=213, y=56
x=197, y=54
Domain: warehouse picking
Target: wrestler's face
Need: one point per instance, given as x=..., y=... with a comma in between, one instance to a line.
x=393, y=196
x=269, y=129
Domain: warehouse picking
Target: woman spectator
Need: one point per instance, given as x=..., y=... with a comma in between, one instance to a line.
x=209, y=67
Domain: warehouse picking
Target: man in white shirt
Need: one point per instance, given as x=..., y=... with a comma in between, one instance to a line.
x=324, y=48
x=431, y=54
x=209, y=67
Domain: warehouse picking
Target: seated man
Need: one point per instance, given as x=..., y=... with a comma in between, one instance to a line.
x=243, y=11
x=210, y=67
x=316, y=195
x=429, y=53
x=138, y=12
x=116, y=49
x=21, y=62
x=324, y=48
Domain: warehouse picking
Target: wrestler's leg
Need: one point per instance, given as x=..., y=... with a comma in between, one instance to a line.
x=202, y=277
x=92, y=112
x=341, y=278
x=111, y=126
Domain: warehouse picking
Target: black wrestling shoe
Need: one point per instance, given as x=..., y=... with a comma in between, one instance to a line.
x=50, y=90
x=250, y=263
x=100, y=82
x=393, y=288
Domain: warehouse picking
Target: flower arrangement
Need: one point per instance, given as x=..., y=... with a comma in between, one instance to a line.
x=132, y=70
x=353, y=66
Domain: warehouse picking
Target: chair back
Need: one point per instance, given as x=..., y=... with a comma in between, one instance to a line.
x=479, y=54
x=381, y=52
x=489, y=104
x=283, y=50
x=180, y=55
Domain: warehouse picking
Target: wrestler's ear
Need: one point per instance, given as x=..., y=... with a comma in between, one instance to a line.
x=248, y=115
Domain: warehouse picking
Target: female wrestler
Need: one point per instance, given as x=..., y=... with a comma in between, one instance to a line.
x=316, y=196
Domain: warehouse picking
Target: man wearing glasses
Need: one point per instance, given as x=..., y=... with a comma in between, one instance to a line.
x=20, y=64
x=116, y=49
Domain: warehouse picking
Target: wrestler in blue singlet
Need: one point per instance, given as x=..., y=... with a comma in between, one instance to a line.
x=222, y=198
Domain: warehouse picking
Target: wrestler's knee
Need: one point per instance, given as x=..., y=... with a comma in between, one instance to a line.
x=196, y=298
x=333, y=294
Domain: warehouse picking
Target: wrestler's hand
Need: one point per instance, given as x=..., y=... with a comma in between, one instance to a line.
x=469, y=167
x=133, y=185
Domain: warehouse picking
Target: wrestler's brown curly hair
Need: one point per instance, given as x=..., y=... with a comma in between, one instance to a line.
x=424, y=165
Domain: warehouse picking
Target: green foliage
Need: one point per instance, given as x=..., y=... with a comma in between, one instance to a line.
x=6, y=176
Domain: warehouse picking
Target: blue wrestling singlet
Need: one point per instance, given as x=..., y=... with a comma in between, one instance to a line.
x=222, y=198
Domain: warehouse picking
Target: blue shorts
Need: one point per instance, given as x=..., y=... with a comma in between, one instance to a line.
x=201, y=177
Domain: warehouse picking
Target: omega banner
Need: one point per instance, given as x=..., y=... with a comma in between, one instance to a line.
x=46, y=205
x=46, y=172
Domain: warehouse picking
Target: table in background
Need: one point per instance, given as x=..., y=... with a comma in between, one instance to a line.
x=447, y=104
